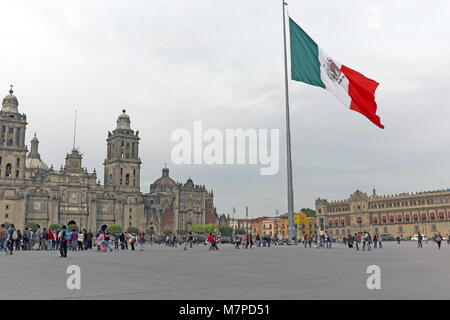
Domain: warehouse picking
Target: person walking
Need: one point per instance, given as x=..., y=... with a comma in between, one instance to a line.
x=438, y=239
x=237, y=242
x=356, y=241
x=419, y=240
x=398, y=240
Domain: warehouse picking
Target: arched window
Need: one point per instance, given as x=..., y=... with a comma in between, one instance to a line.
x=127, y=179
x=18, y=163
x=8, y=170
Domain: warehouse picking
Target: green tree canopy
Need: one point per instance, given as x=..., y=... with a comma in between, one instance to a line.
x=198, y=228
x=167, y=231
x=226, y=230
x=309, y=212
x=241, y=231
x=181, y=232
x=72, y=227
x=32, y=226
x=54, y=227
x=210, y=228
x=114, y=228
x=150, y=231
x=132, y=230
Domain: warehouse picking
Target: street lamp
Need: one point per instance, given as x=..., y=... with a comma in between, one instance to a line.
x=234, y=222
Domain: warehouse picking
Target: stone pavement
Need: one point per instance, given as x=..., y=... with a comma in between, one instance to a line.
x=279, y=272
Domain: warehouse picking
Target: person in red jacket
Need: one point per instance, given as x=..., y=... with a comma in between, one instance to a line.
x=49, y=240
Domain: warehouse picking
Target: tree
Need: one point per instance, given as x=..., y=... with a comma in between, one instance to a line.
x=167, y=231
x=54, y=227
x=226, y=231
x=309, y=212
x=133, y=230
x=72, y=227
x=181, y=232
x=151, y=231
x=210, y=228
x=114, y=228
x=241, y=231
x=32, y=226
x=198, y=228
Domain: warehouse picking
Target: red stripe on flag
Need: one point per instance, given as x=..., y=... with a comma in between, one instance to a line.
x=362, y=91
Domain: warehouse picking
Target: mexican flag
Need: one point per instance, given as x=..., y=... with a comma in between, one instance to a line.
x=310, y=64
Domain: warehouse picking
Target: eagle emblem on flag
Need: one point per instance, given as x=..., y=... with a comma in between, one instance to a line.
x=333, y=72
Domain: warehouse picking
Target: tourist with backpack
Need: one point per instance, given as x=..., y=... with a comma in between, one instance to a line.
x=64, y=239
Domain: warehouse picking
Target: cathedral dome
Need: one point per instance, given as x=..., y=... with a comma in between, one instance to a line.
x=123, y=121
x=33, y=160
x=165, y=180
x=10, y=102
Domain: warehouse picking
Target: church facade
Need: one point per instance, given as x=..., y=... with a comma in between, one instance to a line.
x=30, y=191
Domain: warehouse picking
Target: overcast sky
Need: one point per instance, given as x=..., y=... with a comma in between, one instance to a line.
x=169, y=63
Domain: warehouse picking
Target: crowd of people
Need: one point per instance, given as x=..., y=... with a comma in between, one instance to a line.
x=67, y=240
x=71, y=240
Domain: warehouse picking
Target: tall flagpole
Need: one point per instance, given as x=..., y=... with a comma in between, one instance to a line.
x=288, y=137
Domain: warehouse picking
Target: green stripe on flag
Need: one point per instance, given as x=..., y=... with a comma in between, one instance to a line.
x=305, y=65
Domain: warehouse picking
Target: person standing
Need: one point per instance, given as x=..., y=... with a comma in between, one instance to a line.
x=64, y=239
x=258, y=241
x=438, y=239
x=380, y=241
x=350, y=240
x=142, y=239
x=419, y=240
x=398, y=240
x=90, y=237
x=2, y=236
x=49, y=240
x=191, y=239
x=116, y=240
x=12, y=238
x=122, y=241
x=80, y=241
x=133, y=240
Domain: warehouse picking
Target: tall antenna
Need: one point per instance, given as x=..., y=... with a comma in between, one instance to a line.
x=75, y=129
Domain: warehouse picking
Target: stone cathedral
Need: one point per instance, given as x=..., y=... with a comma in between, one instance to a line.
x=30, y=191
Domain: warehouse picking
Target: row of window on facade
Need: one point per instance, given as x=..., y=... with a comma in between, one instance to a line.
x=343, y=232
x=399, y=218
x=406, y=203
x=8, y=169
x=391, y=204
x=9, y=138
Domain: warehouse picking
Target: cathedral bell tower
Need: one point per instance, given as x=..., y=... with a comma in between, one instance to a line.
x=12, y=139
x=122, y=163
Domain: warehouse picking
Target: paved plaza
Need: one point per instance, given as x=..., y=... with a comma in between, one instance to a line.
x=282, y=272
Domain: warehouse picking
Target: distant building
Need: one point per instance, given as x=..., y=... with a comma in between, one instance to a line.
x=30, y=191
x=404, y=214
